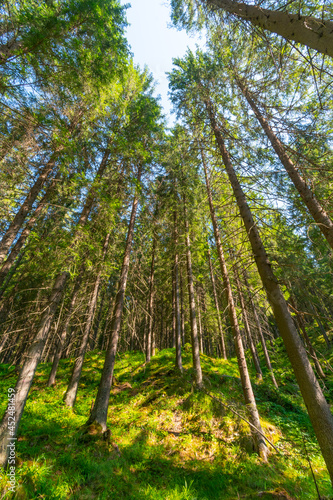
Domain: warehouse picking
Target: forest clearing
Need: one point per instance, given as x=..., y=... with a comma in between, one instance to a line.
x=166, y=303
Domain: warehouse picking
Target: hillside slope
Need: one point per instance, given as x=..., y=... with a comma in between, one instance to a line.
x=168, y=442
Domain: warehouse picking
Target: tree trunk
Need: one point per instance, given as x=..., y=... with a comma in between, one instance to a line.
x=150, y=304
x=73, y=385
x=201, y=339
x=310, y=31
x=302, y=328
x=91, y=195
x=161, y=326
x=250, y=401
x=321, y=326
x=318, y=409
x=88, y=204
x=27, y=373
x=174, y=325
x=94, y=339
x=182, y=312
x=261, y=335
x=179, y=364
x=153, y=340
x=8, y=264
x=7, y=279
x=248, y=332
x=193, y=319
x=321, y=217
x=62, y=338
x=100, y=410
x=313, y=354
x=222, y=341
x=19, y=218
x=49, y=346
x=108, y=320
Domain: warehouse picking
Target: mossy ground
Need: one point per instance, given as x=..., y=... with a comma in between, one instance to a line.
x=174, y=443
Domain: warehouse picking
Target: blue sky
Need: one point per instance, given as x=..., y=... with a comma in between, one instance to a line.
x=154, y=42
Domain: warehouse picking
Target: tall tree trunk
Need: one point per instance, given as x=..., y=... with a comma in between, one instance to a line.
x=35, y=351
x=133, y=326
x=89, y=201
x=73, y=385
x=8, y=264
x=201, y=339
x=145, y=328
x=321, y=217
x=161, y=326
x=49, y=346
x=108, y=319
x=241, y=360
x=151, y=303
x=318, y=409
x=321, y=326
x=25, y=208
x=179, y=364
x=310, y=31
x=153, y=339
x=27, y=373
x=3, y=341
x=302, y=328
x=193, y=319
x=182, y=312
x=92, y=192
x=222, y=341
x=13, y=268
x=100, y=410
x=93, y=342
x=312, y=351
x=62, y=337
x=261, y=335
x=174, y=324
x=248, y=332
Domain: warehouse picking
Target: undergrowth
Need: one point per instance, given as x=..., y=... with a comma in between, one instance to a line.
x=169, y=442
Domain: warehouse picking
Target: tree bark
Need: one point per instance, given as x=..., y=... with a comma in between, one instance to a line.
x=261, y=335
x=321, y=326
x=193, y=319
x=73, y=385
x=223, y=349
x=27, y=373
x=179, y=364
x=35, y=351
x=201, y=339
x=318, y=409
x=174, y=324
x=92, y=192
x=62, y=338
x=250, y=401
x=182, y=312
x=151, y=304
x=8, y=264
x=321, y=217
x=7, y=280
x=19, y=218
x=248, y=332
x=100, y=409
x=94, y=339
x=302, y=328
x=310, y=31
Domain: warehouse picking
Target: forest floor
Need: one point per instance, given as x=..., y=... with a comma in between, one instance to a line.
x=168, y=441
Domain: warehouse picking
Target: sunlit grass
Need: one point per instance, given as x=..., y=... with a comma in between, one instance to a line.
x=174, y=442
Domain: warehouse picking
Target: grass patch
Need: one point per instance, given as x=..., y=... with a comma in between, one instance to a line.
x=174, y=442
